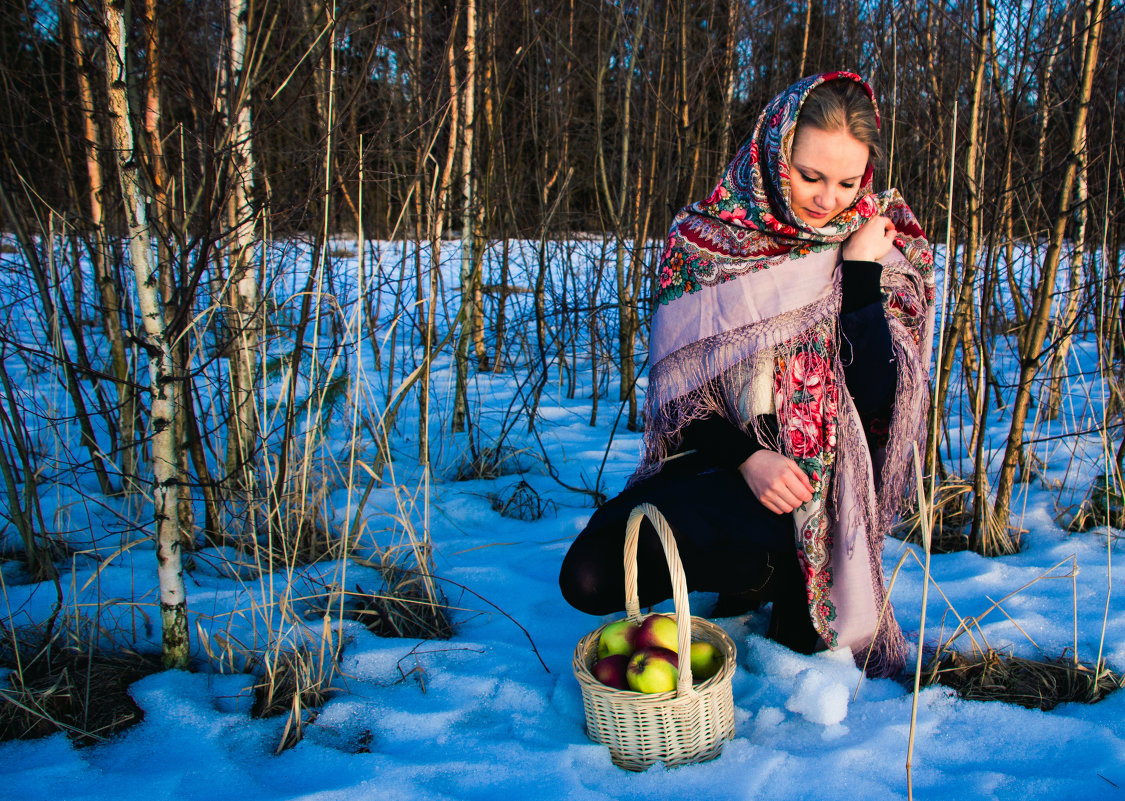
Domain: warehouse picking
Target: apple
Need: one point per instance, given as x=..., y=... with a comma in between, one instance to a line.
x=653, y=670
x=657, y=631
x=705, y=660
x=610, y=671
x=617, y=638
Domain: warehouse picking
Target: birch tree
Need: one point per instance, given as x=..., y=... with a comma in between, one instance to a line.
x=471, y=311
x=110, y=303
x=242, y=296
x=165, y=456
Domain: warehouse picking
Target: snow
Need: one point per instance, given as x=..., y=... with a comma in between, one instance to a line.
x=820, y=697
x=480, y=717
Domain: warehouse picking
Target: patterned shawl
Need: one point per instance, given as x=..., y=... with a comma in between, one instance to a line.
x=748, y=290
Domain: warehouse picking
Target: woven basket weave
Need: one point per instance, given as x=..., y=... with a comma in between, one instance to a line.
x=688, y=724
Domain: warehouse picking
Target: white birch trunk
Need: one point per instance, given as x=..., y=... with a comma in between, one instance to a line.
x=107, y=287
x=165, y=460
x=470, y=295
x=243, y=294
x=439, y=196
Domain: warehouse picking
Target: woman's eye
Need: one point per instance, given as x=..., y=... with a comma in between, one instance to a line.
x=808, y=178
x=848, y=186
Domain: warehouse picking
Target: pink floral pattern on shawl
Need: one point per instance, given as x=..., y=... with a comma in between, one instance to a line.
x=806, y=396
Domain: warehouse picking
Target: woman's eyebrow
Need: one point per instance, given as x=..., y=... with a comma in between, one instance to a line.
x=819, y=174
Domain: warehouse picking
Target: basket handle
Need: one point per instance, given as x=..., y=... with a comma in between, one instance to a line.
x=679, y=584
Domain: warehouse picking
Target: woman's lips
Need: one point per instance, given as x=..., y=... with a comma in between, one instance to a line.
x=819, y=215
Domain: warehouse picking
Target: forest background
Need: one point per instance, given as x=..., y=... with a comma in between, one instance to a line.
x=158, y=156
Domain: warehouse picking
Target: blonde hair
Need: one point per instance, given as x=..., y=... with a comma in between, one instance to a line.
x=843, y=105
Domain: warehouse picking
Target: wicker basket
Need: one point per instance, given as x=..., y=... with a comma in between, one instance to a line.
x=686, y=725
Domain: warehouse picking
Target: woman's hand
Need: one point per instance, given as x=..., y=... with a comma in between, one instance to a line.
x=872, y=241
x=776, y=480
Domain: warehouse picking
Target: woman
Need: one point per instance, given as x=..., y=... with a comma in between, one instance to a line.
x=790, y=350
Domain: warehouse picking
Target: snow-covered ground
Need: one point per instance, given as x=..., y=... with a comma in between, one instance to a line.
x=479, y=716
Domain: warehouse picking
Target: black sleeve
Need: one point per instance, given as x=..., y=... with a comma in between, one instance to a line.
x=714, y=442
x=860, y=285
x=866, y=350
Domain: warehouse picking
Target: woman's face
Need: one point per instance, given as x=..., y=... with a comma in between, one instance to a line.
x=827, y=169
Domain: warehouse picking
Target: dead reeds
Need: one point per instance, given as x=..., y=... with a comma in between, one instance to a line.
x=953, y=510
x=410, y=604
x=519, y=501
x=984, y=673
x=1031, y=683
x=1104, y=505
x=952, y=513
x=53, y=688
x=296, y=681
x=292, y=678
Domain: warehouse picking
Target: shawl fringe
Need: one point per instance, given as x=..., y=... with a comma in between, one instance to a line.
x=711, y=377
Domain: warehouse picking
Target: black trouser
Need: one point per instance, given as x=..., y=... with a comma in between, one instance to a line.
x=728, y=543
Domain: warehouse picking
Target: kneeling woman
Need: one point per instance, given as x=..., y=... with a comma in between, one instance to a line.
x=790, y=350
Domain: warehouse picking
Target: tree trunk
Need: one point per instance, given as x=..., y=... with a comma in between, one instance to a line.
x=161, y=208
x=960, y=328
x=165, y=456
x=1064, y=327
x=470, y=281
x=242, y=299
x=618, y=203
x=439, y=201
x=805, y=41
x=1030, y=346
x=730, y=77
x=103, y=275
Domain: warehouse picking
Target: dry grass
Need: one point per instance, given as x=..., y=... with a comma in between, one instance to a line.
x=519, y=501
x=298, y=532
x=1031, y=683
x=289, y=679
x=53, y=688
x=1103, y=506
x=487, y=463
x=410, y=604
x=952, y=511
x=297, y=682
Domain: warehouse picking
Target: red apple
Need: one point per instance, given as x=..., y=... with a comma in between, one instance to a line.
x=705, y=660
x=653, y=670
x=657, y=631
x=617, y=638
x=610, y=671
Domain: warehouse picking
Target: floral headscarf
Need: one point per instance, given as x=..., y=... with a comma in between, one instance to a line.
x=747, y=288
x=747, y=223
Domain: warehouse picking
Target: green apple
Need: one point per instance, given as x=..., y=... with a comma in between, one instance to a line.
x=617, y=638
x=658, y=631
x=610, y=671
x=705, y=660
x=653, y=670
